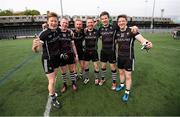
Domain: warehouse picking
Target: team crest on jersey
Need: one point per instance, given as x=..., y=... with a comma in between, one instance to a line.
x=49, y=36
x=90, y=34
x=64, y=35
x=127, y=34
x=122, y=34
x=94, y=32
x=110, y=27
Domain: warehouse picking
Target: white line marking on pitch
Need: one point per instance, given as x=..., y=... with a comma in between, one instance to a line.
x=48, y=107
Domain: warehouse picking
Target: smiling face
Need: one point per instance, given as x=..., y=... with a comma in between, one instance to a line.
x=90, y=23
x=64, y=23
x=52, y=21
x=78, y=24
x=105, y=20
x=122, y=22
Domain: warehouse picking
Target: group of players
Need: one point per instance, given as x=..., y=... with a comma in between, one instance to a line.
x=65, y=48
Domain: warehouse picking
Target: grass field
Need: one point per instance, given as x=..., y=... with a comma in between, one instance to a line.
x=155, y=90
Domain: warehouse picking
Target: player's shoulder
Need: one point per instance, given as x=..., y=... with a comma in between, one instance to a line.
x=44, y=33
x=73, y=29
x=95, y=30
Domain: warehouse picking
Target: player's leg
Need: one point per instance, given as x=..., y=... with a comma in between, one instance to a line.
x=129, y=66
x=114, y=75
x=72, y=76
x=128, y=85
x=96, y=71
x=51, y=88
x=121, y=68
x=103, y=73
x=82, y=68
x=51, y=73
x=64, y=77
x=103, y=59
x=122, y=80
x=75, y=69
x=86, y=72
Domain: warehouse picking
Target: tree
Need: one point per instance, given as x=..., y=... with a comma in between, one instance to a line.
x=6, y=12
x=31, y=12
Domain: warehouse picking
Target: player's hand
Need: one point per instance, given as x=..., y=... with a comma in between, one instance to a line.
x=149, y=45
x=134, y=29
x=97, y=20
x=36, y=45
x=85, y=30
x=44, y=26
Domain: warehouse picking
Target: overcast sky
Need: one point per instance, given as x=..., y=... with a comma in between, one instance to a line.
x=94, y=7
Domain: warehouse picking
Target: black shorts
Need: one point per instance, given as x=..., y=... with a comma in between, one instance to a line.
x=80, y=54
x=50, y=65
x=68, y=61
x=126, y=63
x=108, y=56
x=91, y=55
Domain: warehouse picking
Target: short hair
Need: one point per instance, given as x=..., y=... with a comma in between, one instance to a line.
x=88, y=17
x=52, y=14
x=65, y=18
x=122, y=16
x=77, y=19
x=104, y=13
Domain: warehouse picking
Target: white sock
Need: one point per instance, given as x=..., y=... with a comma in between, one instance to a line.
x=122, y=84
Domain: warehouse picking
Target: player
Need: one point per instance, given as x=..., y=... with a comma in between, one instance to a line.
x=108, y=50
x=108, y=47
x=91, y=40
x=125, y=40
x=49, y=42
x=68, y=54
x=78, y=40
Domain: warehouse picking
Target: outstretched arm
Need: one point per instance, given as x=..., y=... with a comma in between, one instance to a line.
x=144, y=41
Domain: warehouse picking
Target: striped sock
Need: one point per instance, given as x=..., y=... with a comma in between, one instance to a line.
x=103, y=73
x=76, y=75
x=73, y=79
x=97, y=74
x=86, y=74
x=80, y=74
x=114, y=76
x=64, y=77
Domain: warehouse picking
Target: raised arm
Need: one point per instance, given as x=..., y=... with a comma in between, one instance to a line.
x=36, y=45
